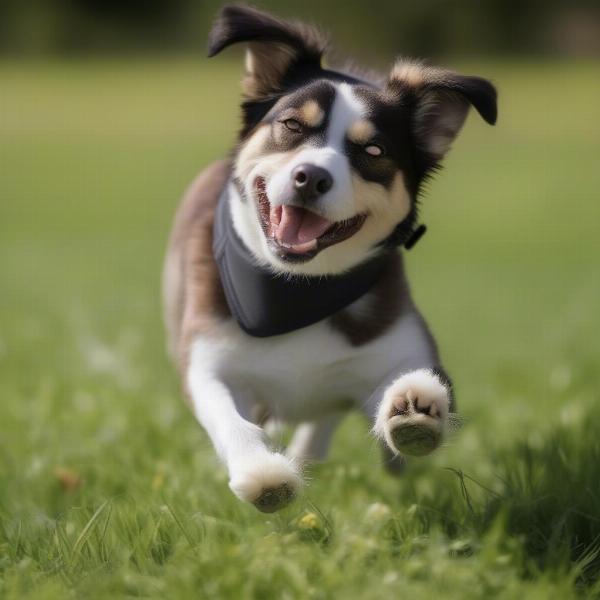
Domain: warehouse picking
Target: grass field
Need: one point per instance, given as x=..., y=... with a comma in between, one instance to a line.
x=108, y=488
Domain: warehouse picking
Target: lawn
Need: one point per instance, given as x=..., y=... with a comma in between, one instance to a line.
x=108, y=488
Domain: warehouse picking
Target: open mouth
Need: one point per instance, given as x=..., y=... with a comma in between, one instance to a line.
x=298, y=234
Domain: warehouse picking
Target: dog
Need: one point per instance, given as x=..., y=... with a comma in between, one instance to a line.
x=284, y=288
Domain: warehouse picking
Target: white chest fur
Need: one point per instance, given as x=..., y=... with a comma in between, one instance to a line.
x=310, y=372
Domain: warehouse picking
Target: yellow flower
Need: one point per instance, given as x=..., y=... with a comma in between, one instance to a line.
x=309, y=521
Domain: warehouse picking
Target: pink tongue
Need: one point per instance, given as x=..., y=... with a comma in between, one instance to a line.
x=299, y=225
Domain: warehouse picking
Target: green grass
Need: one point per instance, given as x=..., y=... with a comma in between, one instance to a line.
x=93, y=158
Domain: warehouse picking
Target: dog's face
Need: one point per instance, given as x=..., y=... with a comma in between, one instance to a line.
x=329, y=165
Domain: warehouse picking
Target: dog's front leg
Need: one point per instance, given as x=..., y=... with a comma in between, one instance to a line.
x=412, y=412
x=409, y=409
x=267, y=479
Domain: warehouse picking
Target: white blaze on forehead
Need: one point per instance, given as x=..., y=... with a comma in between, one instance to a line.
x=346, y=110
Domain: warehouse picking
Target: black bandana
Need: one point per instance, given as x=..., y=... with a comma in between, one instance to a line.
x=265, y=303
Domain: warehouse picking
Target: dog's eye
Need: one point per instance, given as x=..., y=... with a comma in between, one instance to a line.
x=293, y=125
x=374, y=150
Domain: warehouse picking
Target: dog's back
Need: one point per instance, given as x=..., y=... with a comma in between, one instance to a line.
x=192, y=291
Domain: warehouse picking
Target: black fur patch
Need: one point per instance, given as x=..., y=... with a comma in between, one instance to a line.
x=450, y=88
x=392, y=123
x=244, y=24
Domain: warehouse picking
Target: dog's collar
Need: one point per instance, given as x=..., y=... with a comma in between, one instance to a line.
x=265, y=304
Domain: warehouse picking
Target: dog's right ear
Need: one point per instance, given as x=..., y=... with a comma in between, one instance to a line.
x=275, y=47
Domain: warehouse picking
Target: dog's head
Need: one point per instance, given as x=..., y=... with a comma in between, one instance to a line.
x=329, y=164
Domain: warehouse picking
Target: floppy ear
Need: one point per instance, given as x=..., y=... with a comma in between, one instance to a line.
x=441, y=103
x=275, y=47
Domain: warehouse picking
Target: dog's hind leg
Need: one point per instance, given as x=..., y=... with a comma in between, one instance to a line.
x=311, y=440
x=267, y=479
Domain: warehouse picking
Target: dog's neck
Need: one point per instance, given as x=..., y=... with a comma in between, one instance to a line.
x=265, y=303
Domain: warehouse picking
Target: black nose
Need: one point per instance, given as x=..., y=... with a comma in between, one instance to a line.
x=311, y=181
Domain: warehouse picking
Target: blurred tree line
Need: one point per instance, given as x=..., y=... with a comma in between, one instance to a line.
x=411, y=27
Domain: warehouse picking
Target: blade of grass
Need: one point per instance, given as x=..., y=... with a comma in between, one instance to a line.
x=86, y=532
x=181, y=527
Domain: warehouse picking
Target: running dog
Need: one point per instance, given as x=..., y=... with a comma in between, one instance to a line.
x=284, y=287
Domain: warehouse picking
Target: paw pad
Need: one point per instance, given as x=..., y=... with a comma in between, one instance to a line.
x=415, y=438
x=413, y=414
x=273, y=499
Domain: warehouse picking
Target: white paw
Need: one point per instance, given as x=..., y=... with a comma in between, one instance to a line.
x=413, y=413
x=269, y=481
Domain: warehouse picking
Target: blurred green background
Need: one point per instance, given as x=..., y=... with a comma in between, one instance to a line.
x=428, y=27
x=107, y=485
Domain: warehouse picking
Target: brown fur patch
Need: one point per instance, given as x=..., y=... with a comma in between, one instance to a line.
x=361, y=132
x=266, y=64
x=312, y=114
x=194, y=300
x=413, y=74
x=372, y=315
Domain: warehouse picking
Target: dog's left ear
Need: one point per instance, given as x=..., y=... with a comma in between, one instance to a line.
x=440, y=101
x=275, y=47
